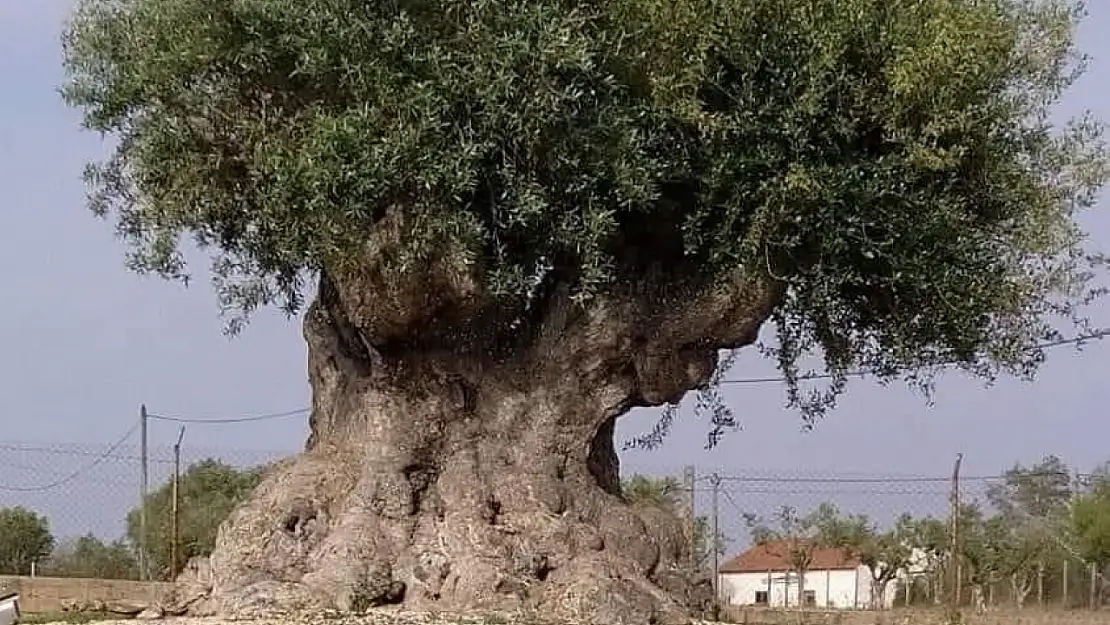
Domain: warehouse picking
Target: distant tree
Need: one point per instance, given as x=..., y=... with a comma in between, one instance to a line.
x=995, y=550
x=884, y=553
x=661, y=491
x=1040, y=492
x=208, y=490
x=1090, y=524
x=1033, y=502
x=800, y=536
x=667, y=493
x=88, y=556
x=977, y=554
x=930, y=537
x=24, y=538
x=1020, y=560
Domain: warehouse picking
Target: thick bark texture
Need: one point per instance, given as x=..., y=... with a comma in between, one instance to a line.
x=451, y=481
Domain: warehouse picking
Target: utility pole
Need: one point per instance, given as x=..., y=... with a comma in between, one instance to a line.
x=176, y=502
x=689, y=482
x=954, y=580
x=1076, y=490
x=1093, y=597
x=715, y=482
x=144, y=564
x=1064, y=584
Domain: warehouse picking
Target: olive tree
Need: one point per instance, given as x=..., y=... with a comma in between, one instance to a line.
x=796, y=538
x=207, y=492
x=886, y=553
x=25, y=539
x=508, y=222
x=89, y=556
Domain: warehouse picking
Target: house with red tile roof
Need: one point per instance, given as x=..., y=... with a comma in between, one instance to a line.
x=764, y=575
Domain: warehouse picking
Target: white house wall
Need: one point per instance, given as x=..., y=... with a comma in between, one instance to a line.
x=844, y=589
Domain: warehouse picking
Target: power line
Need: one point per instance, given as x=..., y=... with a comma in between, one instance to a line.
x=62, y=451
x=862, y=372
x=938, y=493
x=248, y=419
x=883, y=479
x=732, y=502
x=67, y=451
x=72, y=476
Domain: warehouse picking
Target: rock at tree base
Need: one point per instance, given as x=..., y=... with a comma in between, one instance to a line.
x=150, y=614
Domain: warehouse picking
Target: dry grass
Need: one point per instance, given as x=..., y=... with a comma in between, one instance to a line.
x=51, y=594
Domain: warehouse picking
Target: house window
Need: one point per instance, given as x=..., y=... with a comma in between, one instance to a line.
x=811, y=598
x=761, y=597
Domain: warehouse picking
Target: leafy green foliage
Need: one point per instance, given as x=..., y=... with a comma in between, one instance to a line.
x=1036, y=495
x=1031, y=524
x=884, y=553
x=891, y=163
x=1090, y=524
x=208, y=491
x=995, y=549
x=929, y=534
x=667, y=493
x=800, y=535
x=979, y=546
x=930, y=538
x=664, y=492
x=88, y=556
x=24, y=538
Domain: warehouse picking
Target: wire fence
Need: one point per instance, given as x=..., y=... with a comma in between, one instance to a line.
x=1035, y=564
x=90, y=489
x=86, y=490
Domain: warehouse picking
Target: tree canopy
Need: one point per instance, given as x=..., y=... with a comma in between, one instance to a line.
x=800, y=535
x=89, y=556
x=1037, y=495
x=1090, y=523
x=25, y=538
x=890, y=168
x=885, y=553
x=208, y=491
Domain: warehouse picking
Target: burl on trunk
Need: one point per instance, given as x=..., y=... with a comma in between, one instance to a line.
x=475, y=479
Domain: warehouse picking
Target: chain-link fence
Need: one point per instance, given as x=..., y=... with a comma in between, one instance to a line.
x=85, y=499
x=1017, y=540
x=72, y=504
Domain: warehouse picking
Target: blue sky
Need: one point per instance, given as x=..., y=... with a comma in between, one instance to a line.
x=85, y=343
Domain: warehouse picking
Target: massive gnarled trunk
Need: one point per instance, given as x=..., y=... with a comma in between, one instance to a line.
x=471, y=480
